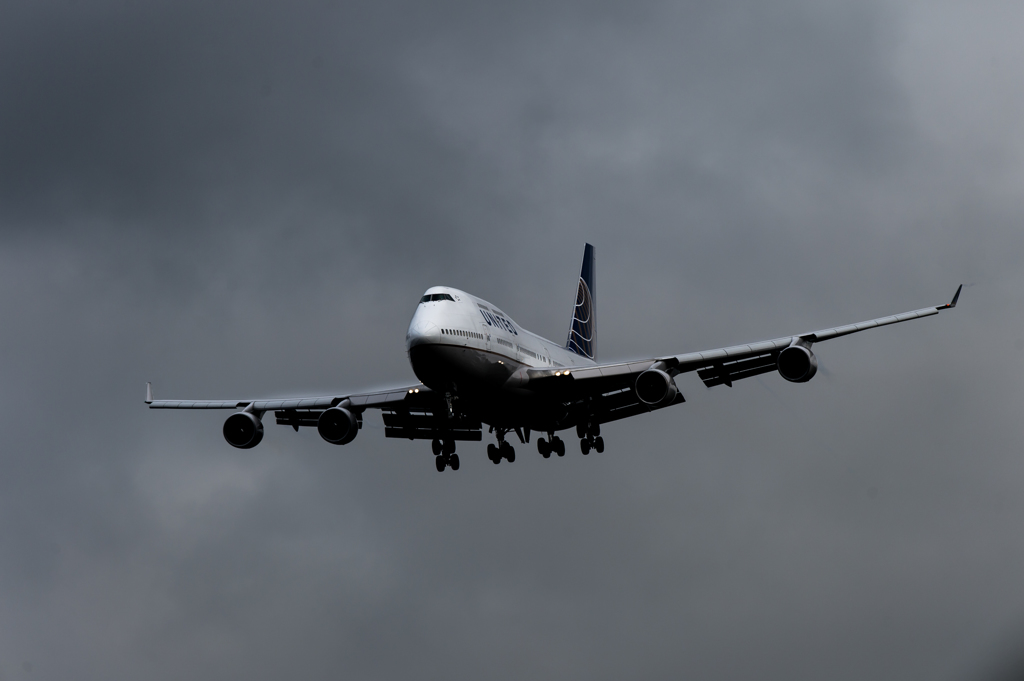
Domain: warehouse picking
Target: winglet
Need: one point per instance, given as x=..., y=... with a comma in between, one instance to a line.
x=149, y=393
x=953, y=303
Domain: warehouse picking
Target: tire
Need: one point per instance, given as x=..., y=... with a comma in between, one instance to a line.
x=543, y=447
x=435, y=446
x=453, y=461
x=448, y=447
x=493, y=454
x=581, y=430
x=585, y=446
x=510, y=454
x=439, y=463
x=559, y=446
x=599, y=445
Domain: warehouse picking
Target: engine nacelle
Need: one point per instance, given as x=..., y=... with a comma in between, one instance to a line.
x=338, y=426
x=243, y=430
x=797, y=364
x=656, y=388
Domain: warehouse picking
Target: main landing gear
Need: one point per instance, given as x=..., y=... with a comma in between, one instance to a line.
x=552, y=444
x=502, y=450
x=590, y=438
x=444, y=455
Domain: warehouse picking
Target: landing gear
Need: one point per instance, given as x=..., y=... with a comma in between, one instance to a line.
x=503, y=450
x=443, y=461
x=590, y=437
x=552, y=444
x=444, y=455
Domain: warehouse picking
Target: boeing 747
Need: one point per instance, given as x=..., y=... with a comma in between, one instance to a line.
x=477, y=367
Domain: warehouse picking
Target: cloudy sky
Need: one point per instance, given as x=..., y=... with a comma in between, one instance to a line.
x=236, y=200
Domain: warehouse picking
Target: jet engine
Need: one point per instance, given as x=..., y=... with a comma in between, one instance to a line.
x=656, y=388
x=243, y=430
x=338, y=426
x=797, y=364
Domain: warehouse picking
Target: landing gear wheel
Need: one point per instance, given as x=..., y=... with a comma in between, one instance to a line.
x=544, y=447
x=581, y=430
x=558, y=446
x=439, y=462
x=585, y=446
x=435, y=446
x=494, y=454
x=448, y=447
x=453, y=461
x=599, y=445
x=508, y=452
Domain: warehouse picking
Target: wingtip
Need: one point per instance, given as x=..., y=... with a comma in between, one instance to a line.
x=149, y=393
x=952, y=303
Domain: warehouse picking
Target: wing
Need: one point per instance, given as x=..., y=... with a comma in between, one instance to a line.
x=373, y=400
x=611, y=389
x=414, y=412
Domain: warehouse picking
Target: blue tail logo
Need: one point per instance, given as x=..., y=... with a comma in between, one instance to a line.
x=583, y=330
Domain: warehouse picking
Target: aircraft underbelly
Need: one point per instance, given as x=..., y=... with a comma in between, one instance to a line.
x=478, y=378
x=443, y=366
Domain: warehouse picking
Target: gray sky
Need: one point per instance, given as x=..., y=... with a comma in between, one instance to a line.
x=233, y=200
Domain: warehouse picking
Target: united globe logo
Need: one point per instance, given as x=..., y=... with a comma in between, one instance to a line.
x=581, y=335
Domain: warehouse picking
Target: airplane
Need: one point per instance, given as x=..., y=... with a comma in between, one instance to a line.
x=478, y=367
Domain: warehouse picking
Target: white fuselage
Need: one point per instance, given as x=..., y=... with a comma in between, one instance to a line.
x=465, y=345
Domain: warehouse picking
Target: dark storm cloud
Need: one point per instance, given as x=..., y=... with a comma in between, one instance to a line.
x=235, y=200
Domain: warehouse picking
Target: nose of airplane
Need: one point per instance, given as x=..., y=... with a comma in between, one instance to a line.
x=421, y=331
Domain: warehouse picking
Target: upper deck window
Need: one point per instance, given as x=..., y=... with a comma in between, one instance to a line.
x=432, y=297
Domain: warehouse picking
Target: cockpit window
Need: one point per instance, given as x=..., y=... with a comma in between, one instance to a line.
x=433, y=297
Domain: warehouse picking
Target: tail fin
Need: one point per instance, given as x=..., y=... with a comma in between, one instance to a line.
x=583, y=330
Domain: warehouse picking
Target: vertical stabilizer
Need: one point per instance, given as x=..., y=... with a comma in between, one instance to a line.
x=583, y=330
